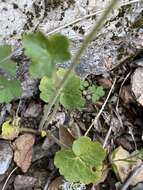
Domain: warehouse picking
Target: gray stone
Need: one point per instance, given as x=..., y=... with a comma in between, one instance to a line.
x=137, y=84
x=115, y=44
x=138, y=187
x=6, y=155
x=24, y=182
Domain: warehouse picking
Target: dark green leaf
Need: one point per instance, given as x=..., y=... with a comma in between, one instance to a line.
x=6, y=64
x=9, y=89
x=45, y=52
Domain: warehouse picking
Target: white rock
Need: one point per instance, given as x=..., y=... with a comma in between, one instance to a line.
x=6, y=155
x=137, y=84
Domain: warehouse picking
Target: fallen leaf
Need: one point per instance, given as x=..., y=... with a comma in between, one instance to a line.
x=74, y=130
x=56, y=183
x=23, y=151
x=65, y=137
x=126, y=95
x=121, y=168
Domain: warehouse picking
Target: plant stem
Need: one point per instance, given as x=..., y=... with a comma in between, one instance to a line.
x=75, y=60
x=50, y=118
x=48, y=133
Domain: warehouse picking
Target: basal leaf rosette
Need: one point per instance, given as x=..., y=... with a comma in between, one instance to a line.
x=84, y=163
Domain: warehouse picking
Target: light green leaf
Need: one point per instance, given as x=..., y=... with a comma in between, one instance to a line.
x=83, y=163
x=9, y=89
x=97, y=92
x=47, y=88
x=9, y=132
x=45, y=52
x=6, y=63
x=71, y=96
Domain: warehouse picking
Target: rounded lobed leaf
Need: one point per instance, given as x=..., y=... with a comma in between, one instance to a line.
x=83, y=163
x=45, y=52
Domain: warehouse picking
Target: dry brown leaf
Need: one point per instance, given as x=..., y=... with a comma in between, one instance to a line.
x=55, y=183
x=126, y=95
x=74, y=130
x=23, y=149
x=65, y=137
x=121, y=168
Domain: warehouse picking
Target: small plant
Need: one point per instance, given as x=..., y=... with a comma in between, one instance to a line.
x=83, y=163
x=10, y=87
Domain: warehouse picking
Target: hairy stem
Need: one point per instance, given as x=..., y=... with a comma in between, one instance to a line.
x=75, y=60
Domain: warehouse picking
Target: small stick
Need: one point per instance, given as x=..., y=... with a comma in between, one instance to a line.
x=86, y=17
x=101, y=110
x=108, y=135
x=134, y=173
x=4, y=186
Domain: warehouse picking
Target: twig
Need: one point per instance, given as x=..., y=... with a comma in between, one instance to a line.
x=4, y=186
x=134, y=173
x=86, y=17
x=102, y=108
x=75, y=60
x=50, y=118
x=108, y=135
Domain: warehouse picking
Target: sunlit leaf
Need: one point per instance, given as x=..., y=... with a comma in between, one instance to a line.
x=83, y=163
x=9, y=132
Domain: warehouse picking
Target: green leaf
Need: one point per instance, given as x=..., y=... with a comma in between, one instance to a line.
x=83, y=84
x=71, y=95
x=6, y=63
x=9, y=89
x=83, y=163
x=47, y=88
x=97, y=92
x=45, y=52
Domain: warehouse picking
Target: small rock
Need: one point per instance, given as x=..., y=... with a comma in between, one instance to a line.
x=48, y=142
x=33, y=110
x=138, y=187
x=137, y=84
x=60, y=118
x=6, y=155
x=24, y=182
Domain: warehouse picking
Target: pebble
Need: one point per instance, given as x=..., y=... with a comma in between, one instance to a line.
x=6, y=155
x=24, y=182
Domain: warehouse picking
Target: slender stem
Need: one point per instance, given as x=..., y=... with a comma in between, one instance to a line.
x=86, y=17
x=48, y=133
x=4, y=186
x=75, y=60
x=101, y=110
x=50, y=118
